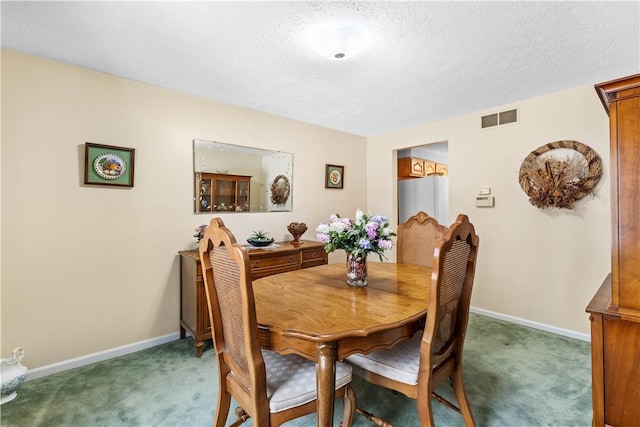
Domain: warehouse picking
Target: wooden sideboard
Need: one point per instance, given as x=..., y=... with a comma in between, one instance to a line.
x=194, y=313
x=615, y=309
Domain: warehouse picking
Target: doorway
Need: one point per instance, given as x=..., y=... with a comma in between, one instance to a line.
x=427, y=191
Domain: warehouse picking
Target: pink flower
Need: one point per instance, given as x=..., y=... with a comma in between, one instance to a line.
x=372, y=229
x=322, y=237
x=200, y=232
x=385, y=244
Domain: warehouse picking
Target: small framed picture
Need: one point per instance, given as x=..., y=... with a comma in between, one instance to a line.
x=334, y=176
x=108, y=165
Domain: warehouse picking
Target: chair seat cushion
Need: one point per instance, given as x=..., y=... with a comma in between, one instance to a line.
x=400, y=363
x=291, y=379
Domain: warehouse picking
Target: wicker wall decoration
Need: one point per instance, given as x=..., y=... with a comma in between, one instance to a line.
x=556, y=182
x=280, y=189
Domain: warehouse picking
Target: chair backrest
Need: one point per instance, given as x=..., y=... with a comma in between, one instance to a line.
x=227, y=278
x=450, y=295
x=417, y=238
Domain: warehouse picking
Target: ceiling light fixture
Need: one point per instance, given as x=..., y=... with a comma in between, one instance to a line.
x=337, y=40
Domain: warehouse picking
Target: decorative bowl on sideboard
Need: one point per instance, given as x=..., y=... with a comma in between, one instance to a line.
x=260, y=242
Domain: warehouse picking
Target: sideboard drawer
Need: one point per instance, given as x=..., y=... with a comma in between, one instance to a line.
x=313, y=257
x=261, y=267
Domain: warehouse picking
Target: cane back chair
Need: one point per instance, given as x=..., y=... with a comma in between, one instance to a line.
x=417, y=366
x=269, y=387
x=417, y=238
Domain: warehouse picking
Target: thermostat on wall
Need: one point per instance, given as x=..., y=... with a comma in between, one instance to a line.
x=484, y=201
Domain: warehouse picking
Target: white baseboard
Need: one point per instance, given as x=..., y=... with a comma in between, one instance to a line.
x=532, y=324
x=43, y=371
x=65, y=365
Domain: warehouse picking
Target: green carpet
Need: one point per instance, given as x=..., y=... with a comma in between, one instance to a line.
x=515, y=376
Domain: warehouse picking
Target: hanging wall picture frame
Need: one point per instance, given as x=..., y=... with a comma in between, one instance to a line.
x=334, y=176
x=108, y=165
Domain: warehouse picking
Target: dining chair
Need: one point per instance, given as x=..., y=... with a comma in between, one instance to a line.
x=417, y=238
x=417, y=366
x=270, y=388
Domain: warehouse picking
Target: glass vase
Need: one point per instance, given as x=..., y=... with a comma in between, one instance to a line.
x=357, y=270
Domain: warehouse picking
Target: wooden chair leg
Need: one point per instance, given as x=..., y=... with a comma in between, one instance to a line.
x=241, y=415
x=222, y=411
x=461, y=397
x=350, y=405
x=376, y=420
x=423, y=402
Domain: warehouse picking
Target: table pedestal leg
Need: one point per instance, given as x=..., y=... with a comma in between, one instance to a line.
x=326, y=380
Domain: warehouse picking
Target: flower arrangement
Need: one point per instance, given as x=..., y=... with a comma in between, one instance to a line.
x=359, y=237
x=200, y=232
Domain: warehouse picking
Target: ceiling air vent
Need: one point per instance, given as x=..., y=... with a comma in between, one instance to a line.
x=502, y=118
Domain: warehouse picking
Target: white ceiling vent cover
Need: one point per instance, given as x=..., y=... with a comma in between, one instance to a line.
x=497, y=119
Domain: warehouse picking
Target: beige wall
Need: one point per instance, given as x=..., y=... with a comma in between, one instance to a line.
x=86, y=268
x=539, y=265
x=89, y=268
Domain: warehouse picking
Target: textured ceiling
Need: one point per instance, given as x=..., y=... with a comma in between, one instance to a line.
x=425, y=61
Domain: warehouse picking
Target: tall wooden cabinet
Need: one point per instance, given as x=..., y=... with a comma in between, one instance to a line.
x=615, y=309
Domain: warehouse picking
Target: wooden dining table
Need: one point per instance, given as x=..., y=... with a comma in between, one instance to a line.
x=315, y=314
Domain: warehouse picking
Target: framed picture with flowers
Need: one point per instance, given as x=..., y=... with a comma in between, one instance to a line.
x=334, y=176
x=108, y=165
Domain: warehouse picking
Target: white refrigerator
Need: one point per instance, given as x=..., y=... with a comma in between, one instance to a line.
x=429, y=194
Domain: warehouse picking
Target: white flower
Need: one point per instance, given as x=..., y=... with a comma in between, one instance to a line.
x=386, y=231
x=323, y=228
x=359, y=215
x=338, y=226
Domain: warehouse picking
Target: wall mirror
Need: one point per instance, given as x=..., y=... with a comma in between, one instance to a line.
x=236, y=179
